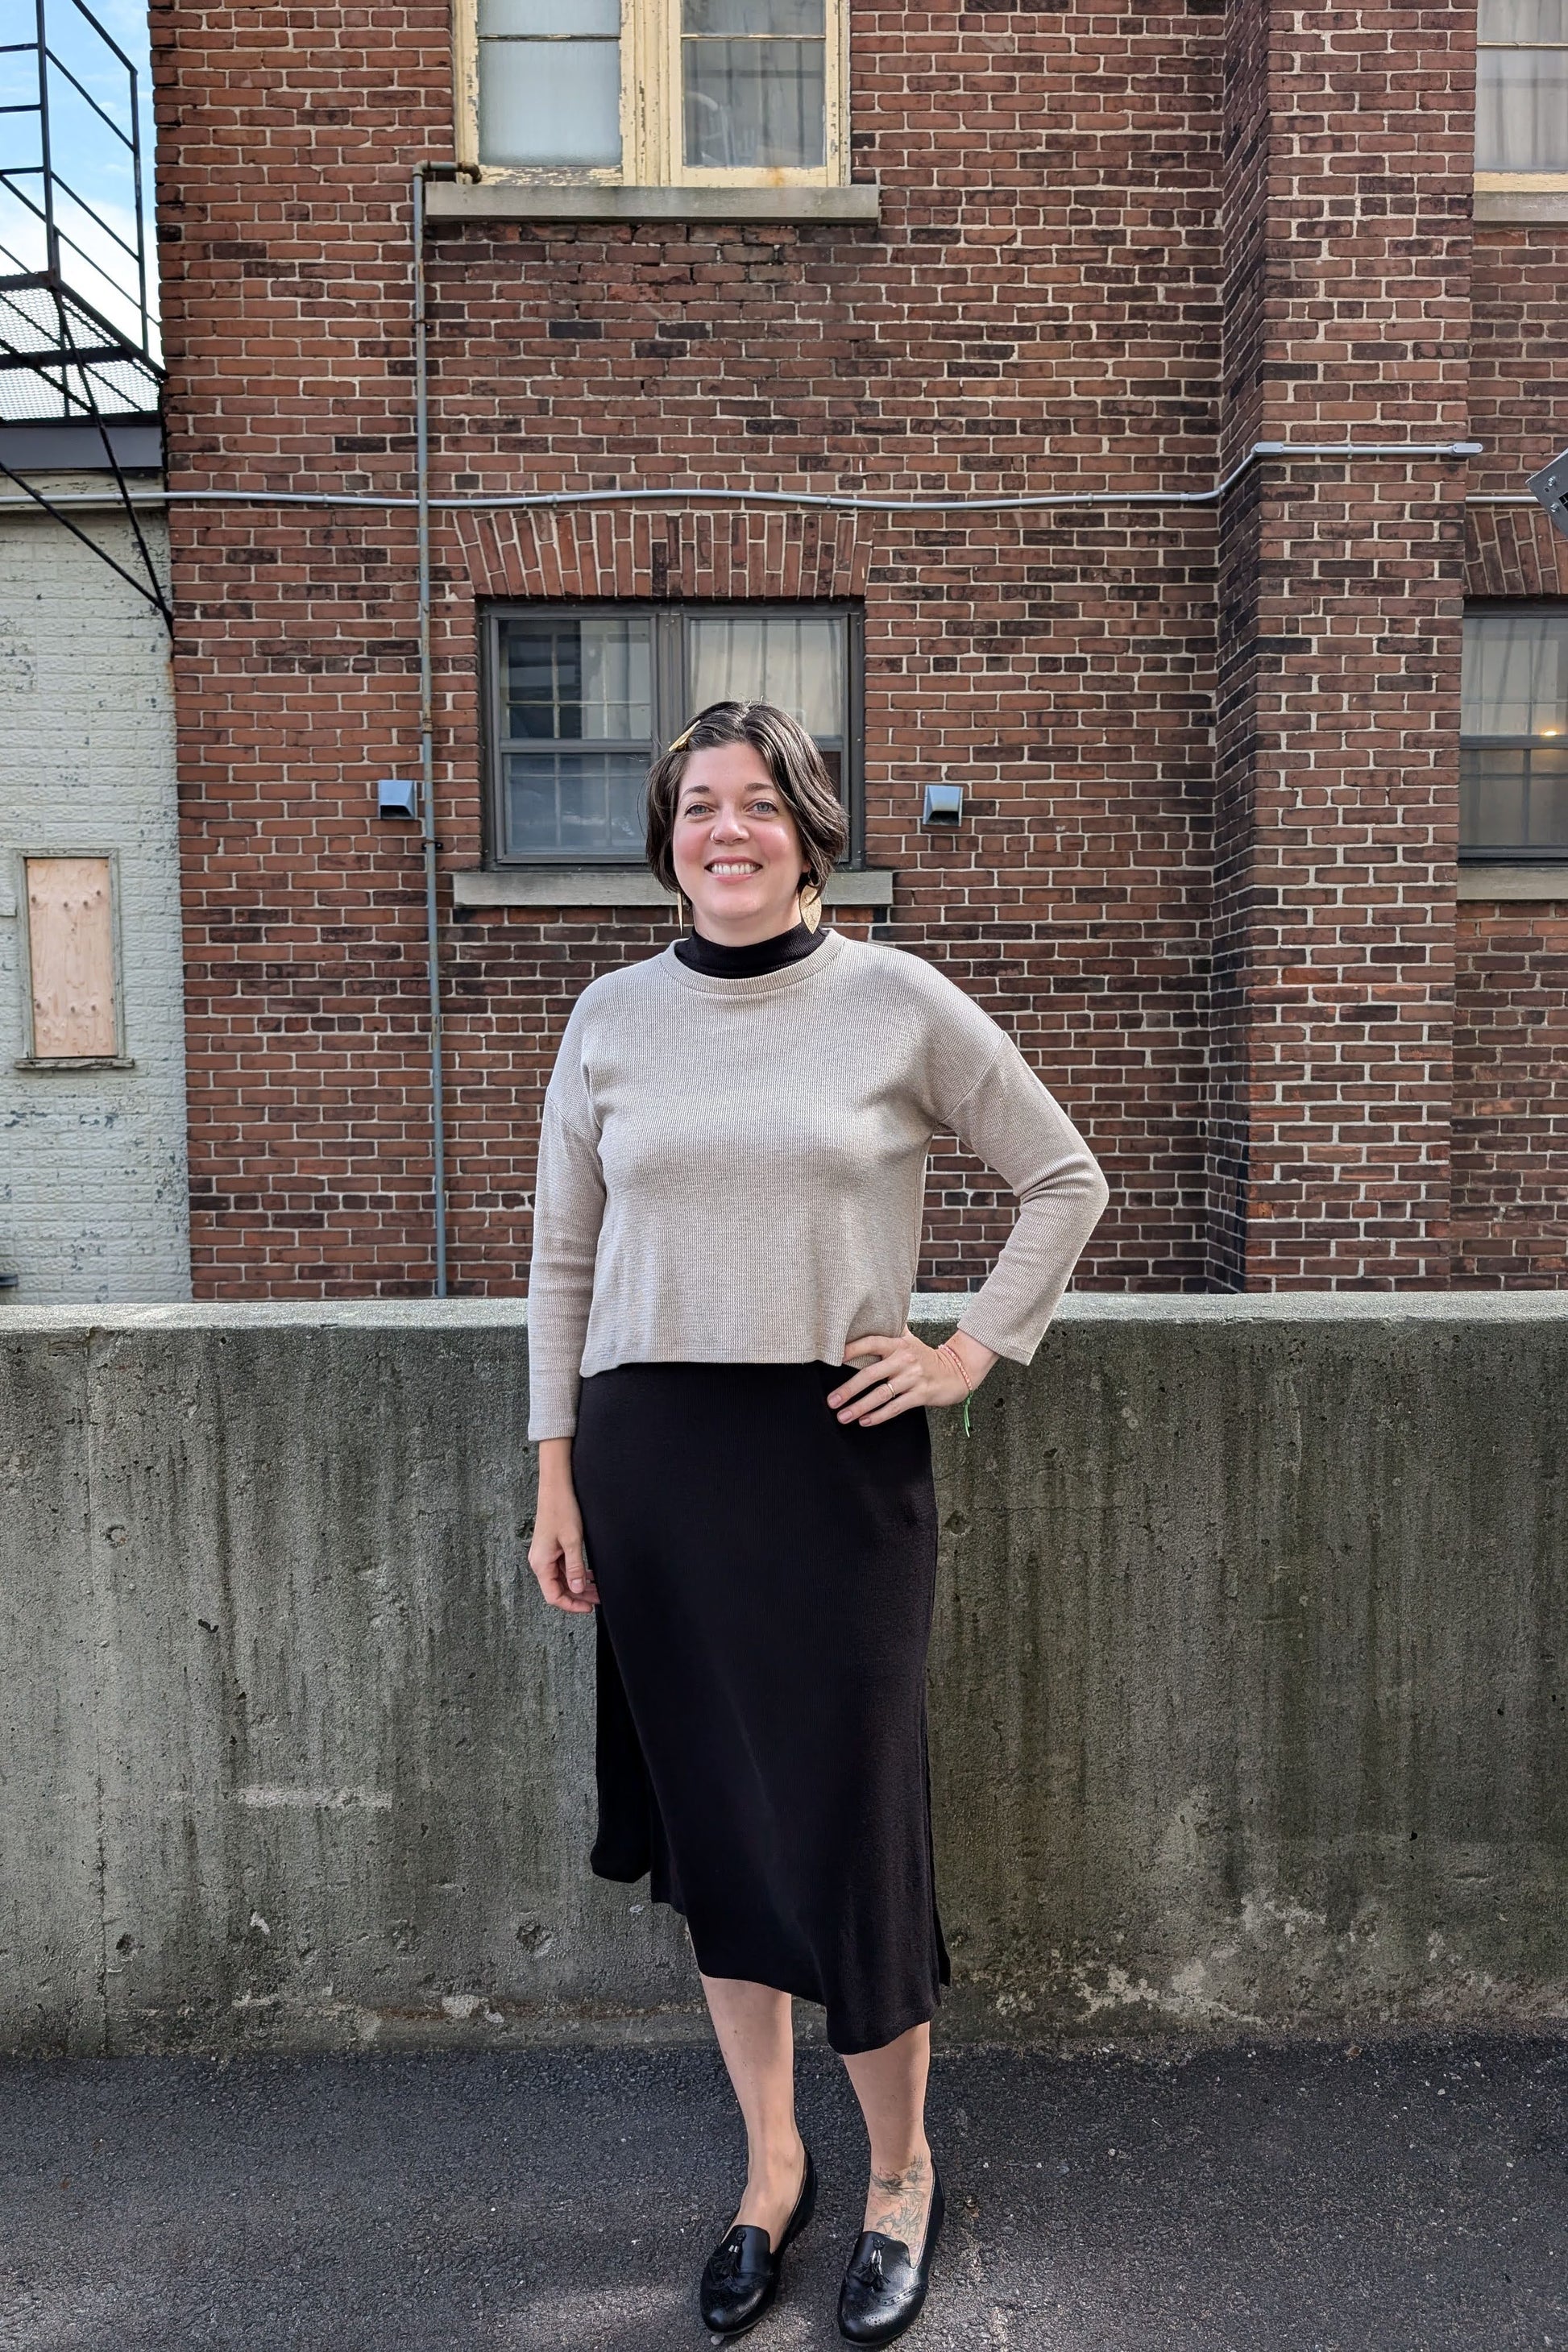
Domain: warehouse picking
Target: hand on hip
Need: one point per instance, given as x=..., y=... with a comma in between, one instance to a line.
x=905, y=1373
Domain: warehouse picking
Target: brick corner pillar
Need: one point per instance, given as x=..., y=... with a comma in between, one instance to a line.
x=1349, y=161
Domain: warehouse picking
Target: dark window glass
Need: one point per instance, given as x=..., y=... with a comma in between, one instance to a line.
x=1513, y=757
x=581, y=699
x=576, y=735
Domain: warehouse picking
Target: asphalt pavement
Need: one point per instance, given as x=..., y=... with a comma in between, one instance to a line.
x=1399, y=2197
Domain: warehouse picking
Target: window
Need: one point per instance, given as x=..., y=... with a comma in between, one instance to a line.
x=581, y=697
x=1521, y=86
x=1513, y=733
x=657, y=92
x=71, y=1000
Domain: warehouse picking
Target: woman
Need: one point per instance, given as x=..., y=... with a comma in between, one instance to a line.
x=734, y=1463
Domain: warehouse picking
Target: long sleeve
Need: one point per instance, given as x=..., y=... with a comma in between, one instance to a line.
x=568, y=1211
x=730, y=1170
x=1017, y=1128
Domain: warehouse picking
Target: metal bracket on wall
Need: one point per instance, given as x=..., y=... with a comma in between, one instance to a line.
x=1549, y=487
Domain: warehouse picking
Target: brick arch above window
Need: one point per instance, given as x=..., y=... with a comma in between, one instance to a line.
x=1513, y=551
x=727, y=554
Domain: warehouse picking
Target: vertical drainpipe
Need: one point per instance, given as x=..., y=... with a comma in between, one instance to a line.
x=428, y=732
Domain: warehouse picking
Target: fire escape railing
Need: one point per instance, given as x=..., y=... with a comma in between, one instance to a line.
x=78, y=327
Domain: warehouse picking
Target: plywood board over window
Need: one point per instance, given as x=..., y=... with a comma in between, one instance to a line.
x=655, y=93
x=71, y=975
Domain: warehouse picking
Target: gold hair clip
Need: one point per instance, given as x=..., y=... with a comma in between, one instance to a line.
x=682, y=740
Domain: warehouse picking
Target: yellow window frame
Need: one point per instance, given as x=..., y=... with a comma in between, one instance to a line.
x=651, y=111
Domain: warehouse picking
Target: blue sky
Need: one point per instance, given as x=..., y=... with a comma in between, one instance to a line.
x=86, y=153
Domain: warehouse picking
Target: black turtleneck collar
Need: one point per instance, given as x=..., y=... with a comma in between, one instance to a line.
x=747, y=962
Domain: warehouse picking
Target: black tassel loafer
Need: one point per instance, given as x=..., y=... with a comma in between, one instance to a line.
x=743, y=2273
x=883, y=2289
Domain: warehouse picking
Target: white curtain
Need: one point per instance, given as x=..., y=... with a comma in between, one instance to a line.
x=1521, y=89
x=794, y=659
x=550, y=81
x=617, y=679
x=1515, y=675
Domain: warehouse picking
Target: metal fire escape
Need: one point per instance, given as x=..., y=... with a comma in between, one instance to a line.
x=78, y=330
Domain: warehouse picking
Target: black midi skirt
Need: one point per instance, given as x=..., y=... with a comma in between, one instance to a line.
x=766, y=1577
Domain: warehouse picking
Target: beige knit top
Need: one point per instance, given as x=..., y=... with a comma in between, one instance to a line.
x=732, y=1170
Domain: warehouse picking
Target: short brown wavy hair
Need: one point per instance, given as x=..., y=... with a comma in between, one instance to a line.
x=793, y=761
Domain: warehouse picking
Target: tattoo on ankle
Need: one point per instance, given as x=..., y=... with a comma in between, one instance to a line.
x=907, y=2194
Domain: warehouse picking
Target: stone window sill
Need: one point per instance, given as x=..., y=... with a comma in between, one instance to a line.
x=1542, y=881
x=628, y=886
x=481, y=199
x=1521, y=196
x=74, y=1062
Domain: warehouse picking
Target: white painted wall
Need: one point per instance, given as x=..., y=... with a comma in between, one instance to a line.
x=93, y=1196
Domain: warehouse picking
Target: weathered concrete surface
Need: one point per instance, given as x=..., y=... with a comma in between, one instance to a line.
x=1249, y=1692
x=1407, y=2197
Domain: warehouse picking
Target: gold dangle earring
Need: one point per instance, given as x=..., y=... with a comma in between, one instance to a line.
x=810, y=905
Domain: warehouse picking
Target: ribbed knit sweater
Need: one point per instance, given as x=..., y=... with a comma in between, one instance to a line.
x=732, y=1170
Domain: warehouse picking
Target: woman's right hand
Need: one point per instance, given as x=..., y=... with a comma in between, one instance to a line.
x=555, y=1551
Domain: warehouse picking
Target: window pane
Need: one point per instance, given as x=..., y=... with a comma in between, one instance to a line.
x=71, y=944
x=578, y=804
x=578, y=680
x=1521, y=110
x=1548, y=811
x=802, y=19
x=573, y=18
x=1522, y=20
x=569, y=685
x=754, y=104
x=795, y=659
x=1514, y=679
x=549, y=101
x=1491, y=800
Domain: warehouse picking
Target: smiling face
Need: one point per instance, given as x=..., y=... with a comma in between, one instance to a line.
x=736, y=848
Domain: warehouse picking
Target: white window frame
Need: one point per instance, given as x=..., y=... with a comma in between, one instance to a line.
x=651, y=111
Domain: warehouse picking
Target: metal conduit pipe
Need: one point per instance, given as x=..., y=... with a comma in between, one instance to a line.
x=428, y=732
x=839, y=501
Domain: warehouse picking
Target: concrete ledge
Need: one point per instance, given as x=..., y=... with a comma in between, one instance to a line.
x=1247, y=1681
x=1522, y=204
x=625, y=886
x=1531, y=881
x=1112, y=1308
x=73, y=1065
x=469, y=200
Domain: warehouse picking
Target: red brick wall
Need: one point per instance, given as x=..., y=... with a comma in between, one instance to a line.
x=1036, y=303
x=1510, y=1115
x=1112, y=250
x=1341, y=589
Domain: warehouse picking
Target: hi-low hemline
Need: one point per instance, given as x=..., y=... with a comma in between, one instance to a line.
x=766, y=1577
